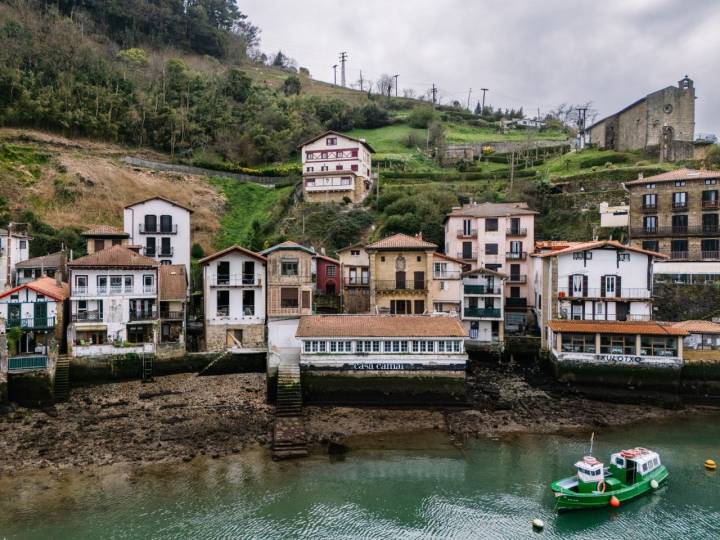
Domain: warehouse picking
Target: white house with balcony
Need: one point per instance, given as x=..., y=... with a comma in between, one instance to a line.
x=14, y=248
x=483, y=309
x=113, y=303
x=235, y=282
x=162, y=227
x=336, y=167
x=596, y=281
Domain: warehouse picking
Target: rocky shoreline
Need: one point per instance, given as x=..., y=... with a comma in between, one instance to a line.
x=179, y=417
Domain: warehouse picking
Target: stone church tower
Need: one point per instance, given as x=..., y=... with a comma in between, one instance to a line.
x=662, y=123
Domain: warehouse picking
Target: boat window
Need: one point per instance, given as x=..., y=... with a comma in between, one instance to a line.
x=620, y=461
x=645, y=467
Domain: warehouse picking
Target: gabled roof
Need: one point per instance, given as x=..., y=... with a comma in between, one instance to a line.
x=106, y=230
x=330, y=132
x=402, y=241
x=553, y=245
x=52, y=260
x=239, y=249
x=44, y=285
x=288, y=245
x=492, y=210
x=173, y=282
x=326, y=258
x=358, y=245
x=115, y=256
x=585, y=246
x=351, y=326
x=160, y=199
x=483, y=270
x=699, y=327
x=677, y=174
x=446, y=258
x=617, y=327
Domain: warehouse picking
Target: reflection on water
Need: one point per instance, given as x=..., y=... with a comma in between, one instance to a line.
x=416, y=486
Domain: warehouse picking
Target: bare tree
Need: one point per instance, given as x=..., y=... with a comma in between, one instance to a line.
x=409, y=93
x=384, y=84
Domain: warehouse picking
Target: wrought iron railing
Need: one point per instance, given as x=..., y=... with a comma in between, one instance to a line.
x=157, y=229
x=398, y=285
x=31, y=322
x=27, y=363
x=493, y=313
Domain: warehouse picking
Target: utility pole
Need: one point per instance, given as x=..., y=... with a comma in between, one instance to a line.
x=361, y=81
x=582, y=113
x=482, y=111
x=335, y=75
x=434, y=93
x=468, y=105
x=396, y=84
x=343, y=59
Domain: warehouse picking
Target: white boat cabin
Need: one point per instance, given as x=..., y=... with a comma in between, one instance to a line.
x=590, y=470
x=641, y=460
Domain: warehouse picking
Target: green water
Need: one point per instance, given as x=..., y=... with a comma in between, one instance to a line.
x=415, y=486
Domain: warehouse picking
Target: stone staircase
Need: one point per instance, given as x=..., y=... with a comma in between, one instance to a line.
x=62, y=379
x=289, y=437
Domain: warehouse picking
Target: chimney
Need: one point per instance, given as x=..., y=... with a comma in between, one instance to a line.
x=641, y=175
x=418, y=236
x=322, y=250
x=58, y=278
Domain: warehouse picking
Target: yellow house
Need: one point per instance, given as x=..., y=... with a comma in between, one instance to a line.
x=401, y=275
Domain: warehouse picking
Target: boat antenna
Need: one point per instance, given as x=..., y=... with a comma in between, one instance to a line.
x=592, y=438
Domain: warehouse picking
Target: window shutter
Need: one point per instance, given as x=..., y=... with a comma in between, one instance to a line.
x=570, y=285
x=602, y=286
x=585, y=286
x=618, y=286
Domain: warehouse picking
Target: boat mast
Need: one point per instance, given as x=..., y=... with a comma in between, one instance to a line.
x=592, y=437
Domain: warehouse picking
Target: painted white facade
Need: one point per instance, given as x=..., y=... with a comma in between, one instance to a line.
x=106, y=304
x=18, y=310
x=614, y=216
x=14, y=248
x=245, y=286
x=344, y=155
x=483, y=309
x=447, y=285
x=684, y=272
x=162, y=228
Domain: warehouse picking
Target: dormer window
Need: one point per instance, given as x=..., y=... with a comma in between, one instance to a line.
x=331, y=141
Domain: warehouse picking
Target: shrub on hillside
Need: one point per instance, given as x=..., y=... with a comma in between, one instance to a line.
x=421, y=117
x=371, y=116
x=602, y=161
x=292, y=85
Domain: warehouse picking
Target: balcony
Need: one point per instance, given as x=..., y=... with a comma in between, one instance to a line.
x=482, y=313
x=517, y=278
x=516, y=302
x=236, y=280
x=516, y=231
x=32, y=323
x=516, y=255
x=448, y=274
x=467, y=256
x=363, y=281
x=397, y=285
x=18, y=364
x=678, y=206
x=461, y=233
x=157, y=229
x=690, y=230
x=710, y=254
x=86, y=316
x=166, y=252
x=649, y=207
x=140, y=316
x=172, y=315
x=481, y=289
x=625, y=293
x=711, y=204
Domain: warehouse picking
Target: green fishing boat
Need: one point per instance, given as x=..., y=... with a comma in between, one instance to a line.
x=630, y=474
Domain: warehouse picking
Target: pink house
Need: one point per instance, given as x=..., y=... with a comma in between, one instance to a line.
x=498, y=236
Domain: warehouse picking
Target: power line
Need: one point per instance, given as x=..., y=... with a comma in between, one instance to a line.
x=343, y=59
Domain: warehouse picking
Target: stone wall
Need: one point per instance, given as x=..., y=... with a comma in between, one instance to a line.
x=253, y=336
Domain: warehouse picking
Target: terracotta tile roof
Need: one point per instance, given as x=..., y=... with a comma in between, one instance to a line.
x=44, y=285
x=617, y=327
x=173, y=282
x=699, y=327
x=401, y=241
x=358, y=245
x=352, y=326
x=159, y=198
x=326, y=258
x=118, y=256
x=106, y=230
x=677, y=174
x=52, y=260
x=492, y=210
x=554, y=245
x=364, y=143
x=584, y=246
x=446, y=258
x=288, y=244
x=239, y=249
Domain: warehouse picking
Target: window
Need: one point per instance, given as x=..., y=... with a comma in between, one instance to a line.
x=289, y=297
x=150, y=224
x=166, y=224
x=649, y=200
x=623, y=256
x=649, y=186
x=102, y=284
x=577, y=284
x=116, y=283
x=138, y=334
x=90, y=337
x=248, y=299
x=582, y=255
x=710, y=248
x=650, y=223
x=81, y=282
x=149, y=282
x=338, y=167
x=651, y=245
x=354, y=167
x=310, y=169
x=491, y=224
x=617, y=344
x=679, y=223
x=679, y=183
x=679, y=199
x=331, y=141
x=658, y=346
x=289, y=267
x=330, y=271
x=150, y=246
x=422, y=346
x=610, y=283
x=582, y=343
x=491, y=249
x=514, y=292
x=223, y=303
x=165, y=248
x=382, y=258
x=419, y=307
x=23, y=244
x=99, y=245
x=678, y=249
x=710, y=223
x=128, y=280
x=354, y=252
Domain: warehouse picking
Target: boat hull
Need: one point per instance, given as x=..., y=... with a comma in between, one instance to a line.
x=566, y=499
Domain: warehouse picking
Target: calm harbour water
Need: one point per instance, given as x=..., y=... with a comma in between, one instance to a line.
x=415, y=486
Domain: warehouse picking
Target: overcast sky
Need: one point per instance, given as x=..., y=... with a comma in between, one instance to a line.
x=534, y=53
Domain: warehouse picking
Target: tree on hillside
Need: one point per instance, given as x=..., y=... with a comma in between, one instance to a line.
x=409, y=93
x=384, y=85
x=292, y=85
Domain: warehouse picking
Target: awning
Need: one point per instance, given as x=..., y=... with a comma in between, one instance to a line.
x=90, y=327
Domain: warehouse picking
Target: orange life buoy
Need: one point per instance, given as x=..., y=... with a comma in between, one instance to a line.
x=601, y=487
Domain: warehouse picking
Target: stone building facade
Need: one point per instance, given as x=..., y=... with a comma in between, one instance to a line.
x=662, y=122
